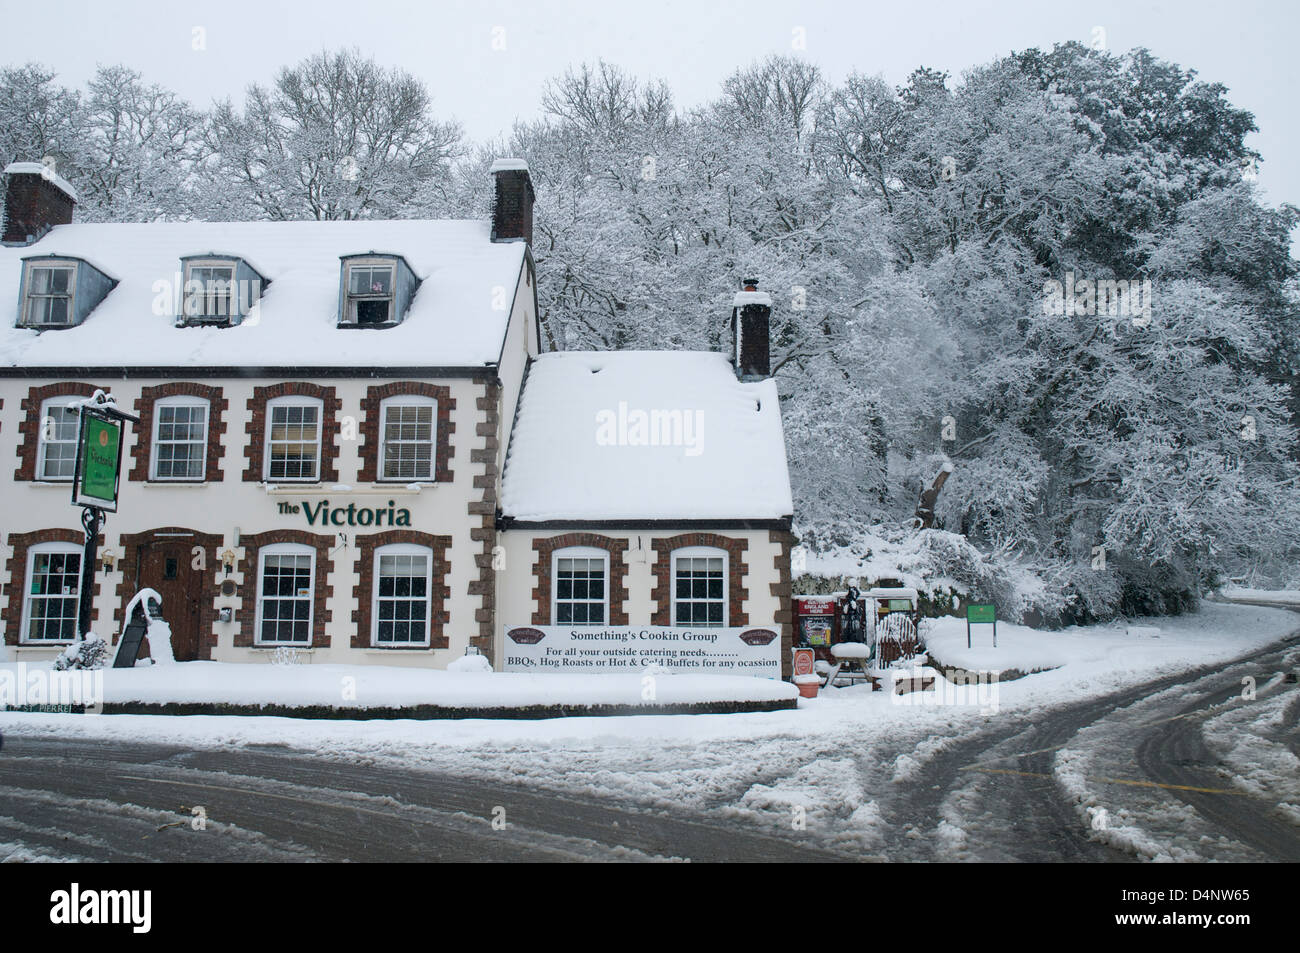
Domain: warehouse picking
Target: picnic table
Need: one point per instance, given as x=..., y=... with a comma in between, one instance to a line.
x=851, y=660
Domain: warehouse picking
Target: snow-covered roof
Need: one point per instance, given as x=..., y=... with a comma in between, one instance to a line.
x=455, y=320
x=45, y=172
x=509, y=164
x=645, y=435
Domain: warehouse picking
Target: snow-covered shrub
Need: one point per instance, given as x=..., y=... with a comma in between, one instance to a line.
x=470, y=663
x=90, y=653
x=943, y=567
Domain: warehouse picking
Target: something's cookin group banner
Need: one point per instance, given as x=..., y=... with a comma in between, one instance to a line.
x=624, y=649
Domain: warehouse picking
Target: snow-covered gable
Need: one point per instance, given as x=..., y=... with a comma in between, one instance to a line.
x=577, y=452
x=457, y=318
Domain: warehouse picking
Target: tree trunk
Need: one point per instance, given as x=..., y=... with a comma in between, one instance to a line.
x=925, y=509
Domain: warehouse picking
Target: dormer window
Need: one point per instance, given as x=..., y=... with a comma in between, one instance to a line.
x=209, y=290
x=59, y=291
x=375, y=290
x=50, y=289
x=370, y=292
x=218, y=290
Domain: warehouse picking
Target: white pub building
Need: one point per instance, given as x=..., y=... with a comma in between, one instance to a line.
x=351, y=444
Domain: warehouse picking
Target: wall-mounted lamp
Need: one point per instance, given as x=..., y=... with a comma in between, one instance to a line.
x=228, y=559
x=107, y=558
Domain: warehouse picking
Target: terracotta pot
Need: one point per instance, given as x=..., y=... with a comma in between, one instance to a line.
x=808, y=690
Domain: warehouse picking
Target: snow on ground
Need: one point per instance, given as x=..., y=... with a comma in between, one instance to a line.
x=834, y=757
x=1092, y=660
x=1258, y=743
x=379, y=686
x=11, y=853
x=1290, y=597
x=1252, y=737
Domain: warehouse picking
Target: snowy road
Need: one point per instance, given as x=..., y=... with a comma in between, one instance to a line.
x=62, y=800
x=1182, y=747
x=1121, y=777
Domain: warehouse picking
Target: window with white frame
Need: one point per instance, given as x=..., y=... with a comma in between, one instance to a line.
x=409, y=427
x=293, y=434
x=700, y=586
x=180, y=439
x=580, y=578
x=50, y=288
x=286, y=588
x=369, y=292
x=402, y=583
x=53, y=593
x=56, y=456
x=209, y=290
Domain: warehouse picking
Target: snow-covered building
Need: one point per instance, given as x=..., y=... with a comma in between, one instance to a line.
x=350, y=443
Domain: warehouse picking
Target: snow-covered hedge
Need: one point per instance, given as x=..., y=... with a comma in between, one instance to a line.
x=948, y=571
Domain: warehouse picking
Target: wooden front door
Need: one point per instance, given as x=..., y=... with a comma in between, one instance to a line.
x=167, y=566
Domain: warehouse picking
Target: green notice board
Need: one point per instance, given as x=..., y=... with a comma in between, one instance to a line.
x=977, y=613
x=99, y=461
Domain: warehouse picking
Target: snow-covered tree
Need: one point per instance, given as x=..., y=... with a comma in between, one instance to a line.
x=335, y=137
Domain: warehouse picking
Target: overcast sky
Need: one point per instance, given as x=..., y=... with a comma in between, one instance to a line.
x=1247, y=45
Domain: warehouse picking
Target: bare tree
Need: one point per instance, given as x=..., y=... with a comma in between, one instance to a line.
x=781, y=89
x=335, y=137
x=38, y=118
x=143, y=141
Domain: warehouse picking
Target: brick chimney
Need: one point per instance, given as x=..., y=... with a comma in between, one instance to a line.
x=751, y=318
x=512, y=211
x=36, y=199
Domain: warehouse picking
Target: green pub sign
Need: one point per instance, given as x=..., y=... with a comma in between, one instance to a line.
x=99, y=461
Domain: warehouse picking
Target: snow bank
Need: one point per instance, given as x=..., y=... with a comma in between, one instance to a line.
x=1290, y=597
x=374, y=686
x=1215, y=633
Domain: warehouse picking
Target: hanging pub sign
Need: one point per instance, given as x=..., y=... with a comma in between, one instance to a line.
x=99, y=460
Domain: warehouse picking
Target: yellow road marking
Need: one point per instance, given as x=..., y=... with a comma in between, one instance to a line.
x=1140, y=784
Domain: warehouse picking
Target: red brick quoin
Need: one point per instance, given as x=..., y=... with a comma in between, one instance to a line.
x=246, y=616
x=545, y=546
x=736, y=572
x=29, y=430
x=256, y=427
x=142, y=450
x=370, y=423
x=20, y=544
x=363, y=592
